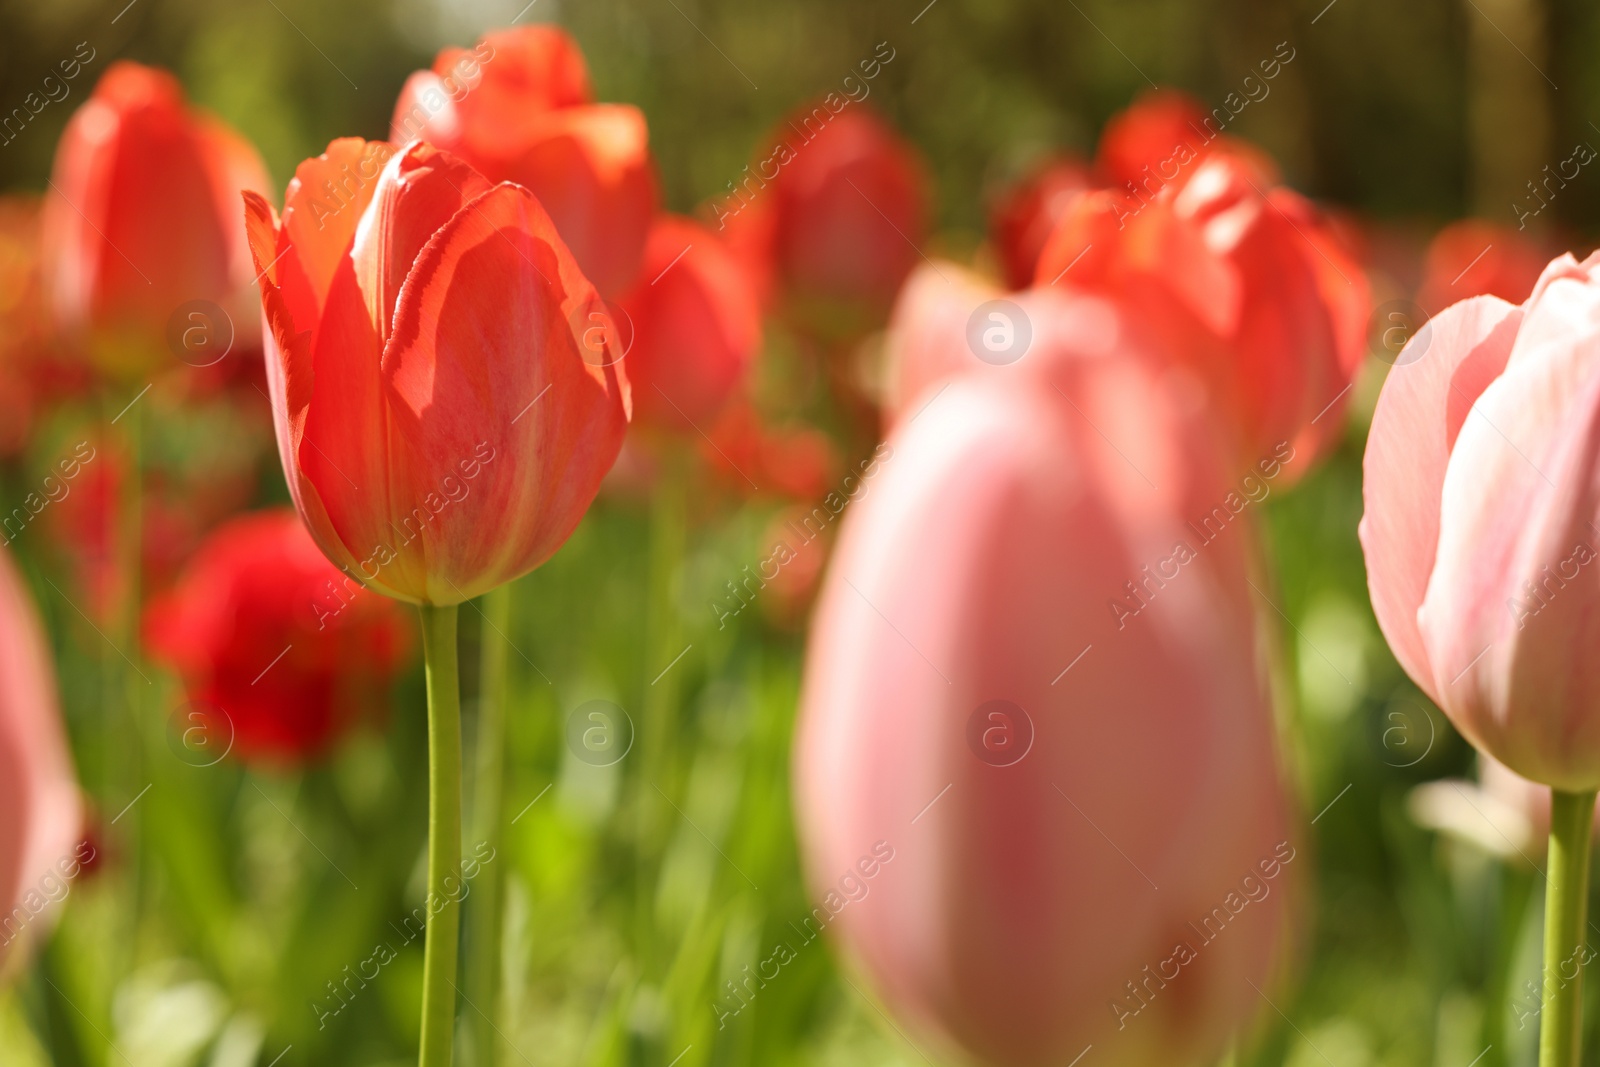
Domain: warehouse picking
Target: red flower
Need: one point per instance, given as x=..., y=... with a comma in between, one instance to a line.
x=142, y=215
x=277, y=649
x=696, y=327
x=1476, y=258
x=518, y=107
x=38, y=792
x=838, y=207
x=795, y=461
x=441, y=426
x=1026, y=213
x=1245, y=285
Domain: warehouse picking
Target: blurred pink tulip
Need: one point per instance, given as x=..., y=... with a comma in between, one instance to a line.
x=1482, y=488
x=43, y=813
x=1035, y=690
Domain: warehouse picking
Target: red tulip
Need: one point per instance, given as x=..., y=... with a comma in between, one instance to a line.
x=1241, y=282
x=751, y=455
x=696, y=327
x=1476, y=258
x=1031, y=698
x=518, y=108
x=439, y=420
x=277, y=649
x=142, y=216
x=38, y=792
x=1025, y=216
x=839, y=209
x=1479, y=530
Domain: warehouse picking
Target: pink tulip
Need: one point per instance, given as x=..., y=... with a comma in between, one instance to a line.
x=43, y=814
x=1481, y=493
x=1032, y=697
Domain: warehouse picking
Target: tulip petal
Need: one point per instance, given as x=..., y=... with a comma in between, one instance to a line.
x=325, y=202
x=421, y=188
x=1520, y=497
x=483, y=362
x=590, y=168
x=1424, y=402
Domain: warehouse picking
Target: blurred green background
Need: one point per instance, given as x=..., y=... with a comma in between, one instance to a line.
x=629, y=894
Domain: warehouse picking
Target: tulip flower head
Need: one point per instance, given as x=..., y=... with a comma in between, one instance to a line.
x=276, y=647
x=1476, y=258
x=142, y=218
x=696, y=327
x=441, y=425
x=1241, y=282
x=1027, y=213
x=1479, y=530
x=38, y=793
x=518, y=107
x=837, y=212
x=1034, y=743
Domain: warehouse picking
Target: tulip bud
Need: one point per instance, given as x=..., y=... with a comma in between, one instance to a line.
x=1026, y=214
x=1476, y=258
x=518, y=107
x=1240, y=282
x=142, y=217
x=38, y=792
x=276, y=647
x=838, y=207
x=1479, y=531
x=1034, y=726
x=442, y=427
x=696, y=327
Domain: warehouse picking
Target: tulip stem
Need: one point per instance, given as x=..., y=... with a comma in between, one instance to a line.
x=444, y=836
x=483, y=919
x=1566, y=905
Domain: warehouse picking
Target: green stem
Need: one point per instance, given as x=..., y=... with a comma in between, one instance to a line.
x=1566, y=905
x=483, y=946
x=444, y=836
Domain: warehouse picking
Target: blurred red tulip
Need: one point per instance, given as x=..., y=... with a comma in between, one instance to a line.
x=1159, y=132
x=142, y=217
x=792, y=460
x=1476, y=258
x=441, y=425
x=1032, y=697
x=38, y=792
x=1478, y=531
x=839, y=209
x=278, y=650
x=696, y=327
x=1242, y=282
x=518, y=107
x=1027, y=212
x=30, y=361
